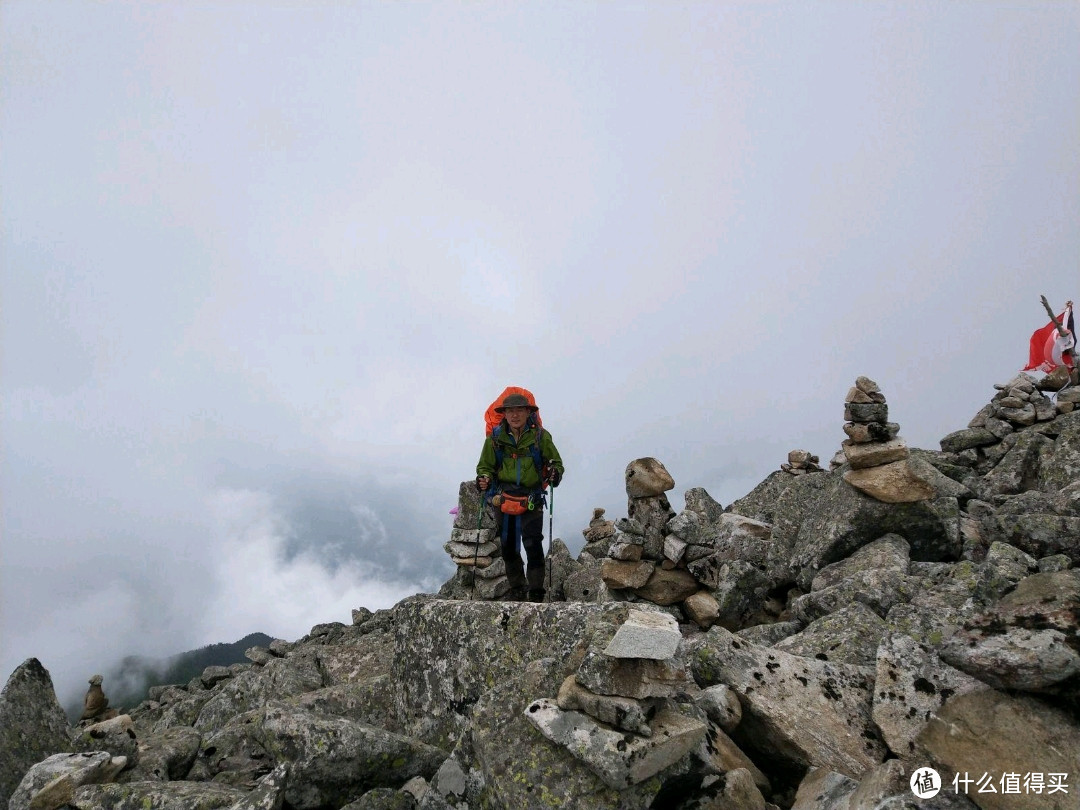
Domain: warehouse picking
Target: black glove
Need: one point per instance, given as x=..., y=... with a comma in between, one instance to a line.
x=554, y=477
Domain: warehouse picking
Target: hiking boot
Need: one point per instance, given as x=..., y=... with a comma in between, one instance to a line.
x=537, y=595
x=535, y=577
x=516, y=595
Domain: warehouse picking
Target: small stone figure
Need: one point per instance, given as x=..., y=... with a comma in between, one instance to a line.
x=95, y=704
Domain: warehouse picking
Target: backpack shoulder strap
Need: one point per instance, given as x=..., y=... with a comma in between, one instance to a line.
x=537, y=456
x=497, y=445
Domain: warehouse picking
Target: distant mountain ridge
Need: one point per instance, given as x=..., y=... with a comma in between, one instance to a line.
x=128, y=684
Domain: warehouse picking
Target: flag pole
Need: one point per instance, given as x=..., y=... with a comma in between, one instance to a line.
x=1058, y=325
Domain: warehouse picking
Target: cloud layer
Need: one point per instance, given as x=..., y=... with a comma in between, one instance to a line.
x=264, y=267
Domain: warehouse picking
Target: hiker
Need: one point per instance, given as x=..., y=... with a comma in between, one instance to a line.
x=518, y=460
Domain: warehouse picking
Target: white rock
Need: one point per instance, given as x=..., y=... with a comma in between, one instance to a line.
x=645, y=634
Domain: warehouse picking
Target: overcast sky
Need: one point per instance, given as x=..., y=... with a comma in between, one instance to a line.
x=264, y=265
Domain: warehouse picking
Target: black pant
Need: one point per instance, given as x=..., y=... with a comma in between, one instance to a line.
x=531, y=532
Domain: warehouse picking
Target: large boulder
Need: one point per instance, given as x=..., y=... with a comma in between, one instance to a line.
x=1040, y=534
x=52, y=783
x=738, y=537
x=740, y=592
x=448, y=653
x=333, y=760
x=760, y=503
x=701, y=503
x=1028, y=640
x=280, y=678
x=234, y=755
x=875, y=574
x=822, y=789
x=1020, y=468
x=986, y=731
x=370, y=701
x=910, y=686
x=848, y=636
x=802, y=710
x=165, y=755
x=116, y=735
x=269, y=793
x=819, y=520
x=358, y=661
x=174, y=707
x=32, y=724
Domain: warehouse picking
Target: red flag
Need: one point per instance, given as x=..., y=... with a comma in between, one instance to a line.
x=1048, y=349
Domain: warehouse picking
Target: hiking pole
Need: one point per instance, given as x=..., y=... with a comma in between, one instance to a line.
x=551, y=535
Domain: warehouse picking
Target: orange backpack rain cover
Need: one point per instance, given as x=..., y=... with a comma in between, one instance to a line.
x=492, y=419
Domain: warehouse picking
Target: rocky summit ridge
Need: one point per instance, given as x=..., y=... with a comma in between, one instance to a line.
x=814, y=645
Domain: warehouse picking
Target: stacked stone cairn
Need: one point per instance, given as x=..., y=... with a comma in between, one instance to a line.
x=878, y=457
x=639, y=559
x=801, y=462
x=481, y=571
x=615, y=713
x=701, y=565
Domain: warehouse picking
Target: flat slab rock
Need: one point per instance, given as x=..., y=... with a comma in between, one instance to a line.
x=645, y=634
x=619, y=759
x=620, y=712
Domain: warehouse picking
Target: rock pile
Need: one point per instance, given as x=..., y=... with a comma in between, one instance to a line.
x=851, y=642
x=801, y=462
x=1020, y=418
x=700, y=565
x=644, y=559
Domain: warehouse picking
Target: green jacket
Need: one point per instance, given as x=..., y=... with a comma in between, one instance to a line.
x=521, y=470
